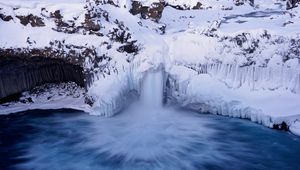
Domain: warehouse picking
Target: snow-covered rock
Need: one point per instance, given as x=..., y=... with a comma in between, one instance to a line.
x=49, y=96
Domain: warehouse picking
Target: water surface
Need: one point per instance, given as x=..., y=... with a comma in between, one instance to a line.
x=136, y=139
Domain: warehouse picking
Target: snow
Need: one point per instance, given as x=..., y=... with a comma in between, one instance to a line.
x=206, y=93
x=9, y=39
x=198, y=48
x=295, y=128
x=51, y=96
x=110, y=97
x=207, y=71
x=33, y=3
x=62, y=103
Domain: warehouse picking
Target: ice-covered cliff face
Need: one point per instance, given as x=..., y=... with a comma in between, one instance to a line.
x=238, y=58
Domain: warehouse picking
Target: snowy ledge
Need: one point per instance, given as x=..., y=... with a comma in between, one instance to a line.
x=49, y=96
x=209, y=93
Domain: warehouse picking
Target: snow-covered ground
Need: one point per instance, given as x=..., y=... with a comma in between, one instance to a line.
x=49, y=96
x=206, y=93
x=241, y=61
x=237, y=62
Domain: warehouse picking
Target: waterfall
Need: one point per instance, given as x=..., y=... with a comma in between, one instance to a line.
x=111, y=97
x=152, y=89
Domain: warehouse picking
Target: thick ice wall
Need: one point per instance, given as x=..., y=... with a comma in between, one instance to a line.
x=112, y=92
x=206, y=92
x=256, y=77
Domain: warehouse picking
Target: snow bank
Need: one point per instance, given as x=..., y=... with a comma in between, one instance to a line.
x=206, y=93
x=295, y=128
x=49, y=96
x=263, y=68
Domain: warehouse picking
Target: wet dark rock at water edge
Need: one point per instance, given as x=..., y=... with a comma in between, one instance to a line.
x=282, y=126
x=10, y=98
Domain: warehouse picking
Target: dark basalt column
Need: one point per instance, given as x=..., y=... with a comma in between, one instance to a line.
x=291, y=4
x=21, y=74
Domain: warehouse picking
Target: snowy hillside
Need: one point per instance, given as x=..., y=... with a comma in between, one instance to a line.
x=236, y=58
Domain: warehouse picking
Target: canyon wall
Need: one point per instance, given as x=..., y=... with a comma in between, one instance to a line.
x=20, y=74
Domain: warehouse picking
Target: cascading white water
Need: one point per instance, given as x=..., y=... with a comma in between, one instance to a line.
x=152, y=89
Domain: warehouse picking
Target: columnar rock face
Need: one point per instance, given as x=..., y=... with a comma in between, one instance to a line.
x=21, y=74
x=291, y=3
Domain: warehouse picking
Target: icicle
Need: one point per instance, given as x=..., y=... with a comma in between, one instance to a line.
x=256, y=77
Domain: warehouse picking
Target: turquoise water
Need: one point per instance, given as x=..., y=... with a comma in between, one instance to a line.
x=170, y=140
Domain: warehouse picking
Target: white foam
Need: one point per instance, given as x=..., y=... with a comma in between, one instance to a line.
x=152, y=89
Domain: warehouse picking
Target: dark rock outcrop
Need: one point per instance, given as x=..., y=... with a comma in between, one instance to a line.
x=129, y=48
x=5, y=17
x=34, y=21
x=153, y=12
x=242, y=2
x=61, y=25
x=291, y=4
x=282, y=126
x=197, y=6
x=18, y=74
